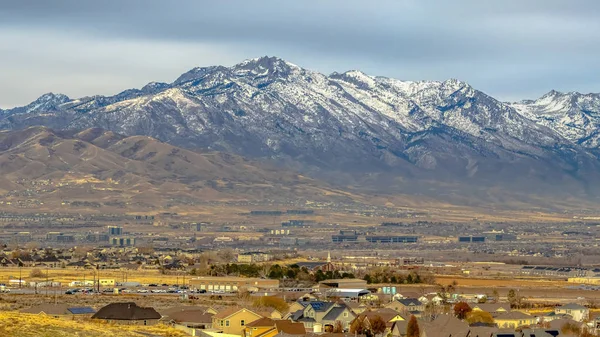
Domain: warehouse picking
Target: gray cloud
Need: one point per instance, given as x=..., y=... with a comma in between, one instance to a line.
x=510, y=49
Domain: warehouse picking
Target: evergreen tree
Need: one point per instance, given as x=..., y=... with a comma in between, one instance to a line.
x=412, y=329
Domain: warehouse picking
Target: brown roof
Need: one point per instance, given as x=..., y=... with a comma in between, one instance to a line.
x=126, y=311
x=181, y=308
x=492, y=307
x=385, y=314
x=513, y=315
x=48, y=309
x=399, y=327
x=447, y=325
x=230, y=311
x=191, y=316
x=261, y=322
x=290, y=328
x=483, y=331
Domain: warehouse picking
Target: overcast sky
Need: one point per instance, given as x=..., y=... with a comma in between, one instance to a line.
x=509, y=49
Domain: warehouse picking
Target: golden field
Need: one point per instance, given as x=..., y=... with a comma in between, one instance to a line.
x=66, y=275
x=147, y=276
x=29, y=325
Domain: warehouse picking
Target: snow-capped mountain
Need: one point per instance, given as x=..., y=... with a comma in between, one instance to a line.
x=573, y=115
x=347, y=122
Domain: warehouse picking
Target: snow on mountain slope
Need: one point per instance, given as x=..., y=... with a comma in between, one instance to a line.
x=573, y=115
x=270, y=108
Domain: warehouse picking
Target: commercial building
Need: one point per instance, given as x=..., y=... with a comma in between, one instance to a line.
x=345, y=236
x=122, y=241
x=115, y=230
x=471, y=239
x=298, y=223
x=391, y=239
x=60, y=237
x=23, y=237
x=214, y=283
x=344, y=283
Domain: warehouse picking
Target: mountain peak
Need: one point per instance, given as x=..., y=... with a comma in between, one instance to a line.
x=47, y=102
x=263, y=66
x=52, y=97
x=153, y=87
x=356, y=77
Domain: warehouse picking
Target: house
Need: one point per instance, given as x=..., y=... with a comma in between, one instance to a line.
x=578, y=312
x=323, y=313
x=338, y=313
x=357, y=308
x=399, y=328
x=63, y=311
x=260, y=327
x=166, y=313
x=445, y=326
x=266, y=327
x=270, y=313
x=389, y=316
x=191, y=320
x=407, y=306
x=233, y=320
x=431, y=298
x=514, y=319
x=493, y=308
x=553, y=316
x=50, y=261
x=127, y=313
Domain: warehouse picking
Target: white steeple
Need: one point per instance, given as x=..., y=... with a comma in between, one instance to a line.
x=328, y=256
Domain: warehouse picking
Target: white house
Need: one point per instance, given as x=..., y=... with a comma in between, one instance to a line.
x=578, y=312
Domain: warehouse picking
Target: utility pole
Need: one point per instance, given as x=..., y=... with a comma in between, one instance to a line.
x=46, y=281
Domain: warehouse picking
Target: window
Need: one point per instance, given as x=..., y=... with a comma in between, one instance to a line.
x=221, y=323
x=227, y=323
x=242, y=322
x=145, y=322
x=345, y=314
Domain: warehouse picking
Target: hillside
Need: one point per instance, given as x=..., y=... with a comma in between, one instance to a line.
x=44, y=169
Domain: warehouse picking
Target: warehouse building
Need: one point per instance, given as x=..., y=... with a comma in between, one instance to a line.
x=471, y=239
x=391, y=239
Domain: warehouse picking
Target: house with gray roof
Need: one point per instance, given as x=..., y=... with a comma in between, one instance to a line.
x=407, y=306
x=578, y=312
x=324, y=313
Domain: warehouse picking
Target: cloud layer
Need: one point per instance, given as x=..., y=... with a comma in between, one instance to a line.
x=509, y=49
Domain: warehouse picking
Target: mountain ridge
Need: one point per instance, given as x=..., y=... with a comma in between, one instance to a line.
x=353, y=125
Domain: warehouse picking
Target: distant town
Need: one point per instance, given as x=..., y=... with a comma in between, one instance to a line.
x=289, y=272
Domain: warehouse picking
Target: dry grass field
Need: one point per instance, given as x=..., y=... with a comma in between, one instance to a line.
x=500, y=283
x=65, y=275
x=146, y=276
x=28, y=325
